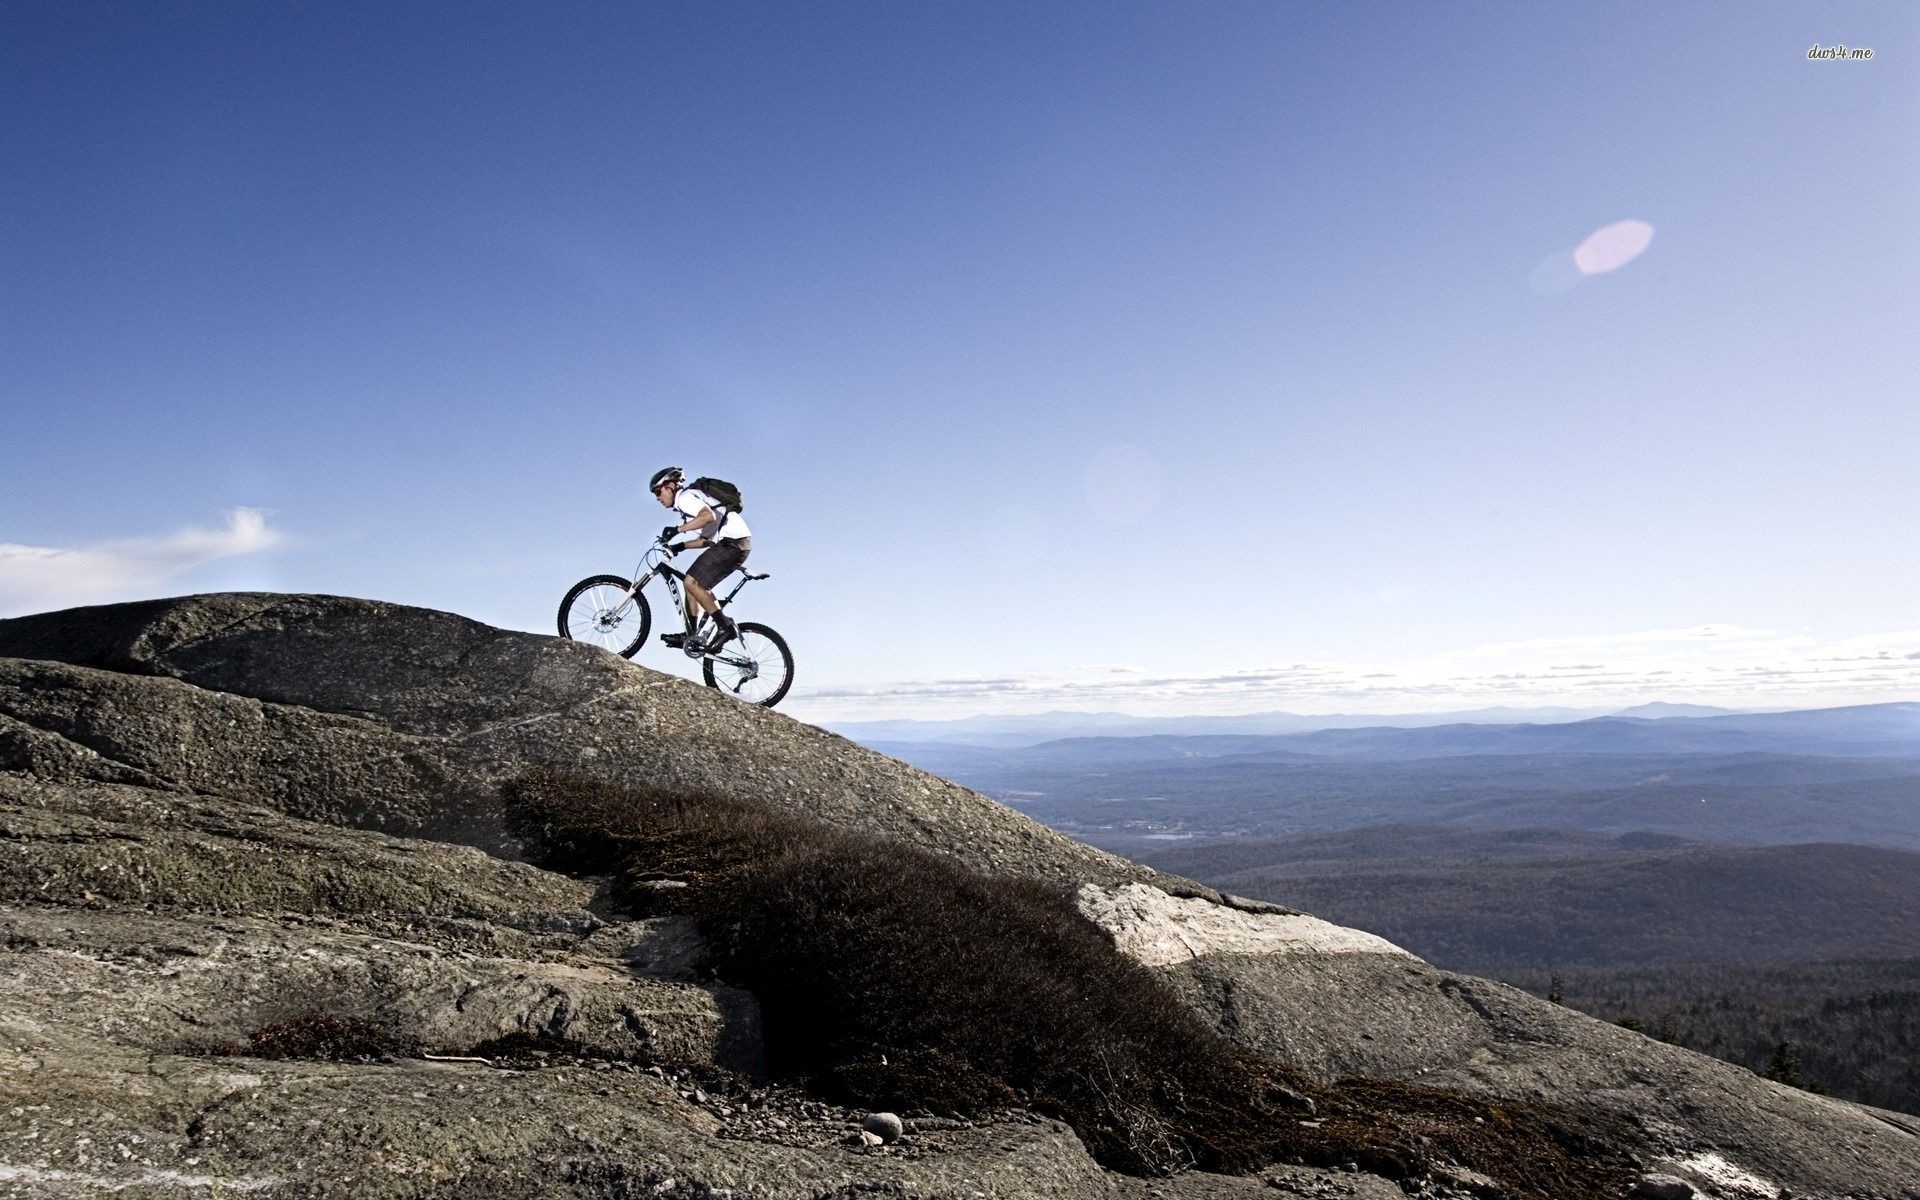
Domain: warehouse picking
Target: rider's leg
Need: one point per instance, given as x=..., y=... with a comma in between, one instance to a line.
x=724, y=629
x=698, y=600
x=707, y=571
x=697, y=594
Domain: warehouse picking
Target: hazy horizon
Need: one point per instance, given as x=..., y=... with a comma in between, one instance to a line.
x=1552, y=714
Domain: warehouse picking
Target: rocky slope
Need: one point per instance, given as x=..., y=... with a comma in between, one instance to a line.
x=221, y=815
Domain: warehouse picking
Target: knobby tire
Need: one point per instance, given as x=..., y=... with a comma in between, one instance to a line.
x=769, y=652
x=593, y=599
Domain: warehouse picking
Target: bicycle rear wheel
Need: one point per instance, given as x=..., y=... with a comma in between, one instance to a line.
x=755, y=667
x=598, y=611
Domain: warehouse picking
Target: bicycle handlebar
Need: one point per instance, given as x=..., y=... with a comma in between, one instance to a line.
x=662, y=544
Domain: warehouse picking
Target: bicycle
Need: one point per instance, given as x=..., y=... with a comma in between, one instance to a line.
x=612, y=613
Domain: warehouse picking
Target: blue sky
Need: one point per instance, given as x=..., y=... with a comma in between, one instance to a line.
x=1211, y=357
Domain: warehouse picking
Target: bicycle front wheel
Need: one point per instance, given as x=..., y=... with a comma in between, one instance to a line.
x=755, y=667
x=598, y=611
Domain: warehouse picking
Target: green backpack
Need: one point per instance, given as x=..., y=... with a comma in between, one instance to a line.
x=719, y=489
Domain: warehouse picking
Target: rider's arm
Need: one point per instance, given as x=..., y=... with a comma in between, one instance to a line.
x=699, y=520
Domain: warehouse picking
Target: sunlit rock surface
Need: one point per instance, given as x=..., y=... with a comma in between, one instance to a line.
x=222, y=813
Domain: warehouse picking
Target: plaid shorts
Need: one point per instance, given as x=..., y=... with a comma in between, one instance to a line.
x=718, y=561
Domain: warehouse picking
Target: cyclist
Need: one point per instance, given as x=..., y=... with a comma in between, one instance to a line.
x=721, y=533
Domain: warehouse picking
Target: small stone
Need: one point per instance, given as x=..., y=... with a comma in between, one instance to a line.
x=883, y=1125
x=1662, y=1187
x=871, y=1139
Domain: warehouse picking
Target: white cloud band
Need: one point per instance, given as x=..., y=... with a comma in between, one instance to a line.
x=1711, y=664
x=37, y=578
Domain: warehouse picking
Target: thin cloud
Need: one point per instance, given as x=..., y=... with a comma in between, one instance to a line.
x=1726, y=664
x=38, y=578
x=1697, y=635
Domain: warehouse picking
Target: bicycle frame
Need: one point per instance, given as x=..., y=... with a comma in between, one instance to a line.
x=673, y=577
x=612, y=613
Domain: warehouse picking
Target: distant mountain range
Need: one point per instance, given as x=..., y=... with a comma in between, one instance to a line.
x=1660, y=708
x=1861, y=731
x=1027, y=729
x=1842, y=774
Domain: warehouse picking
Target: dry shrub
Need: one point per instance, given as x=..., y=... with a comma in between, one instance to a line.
x=900, y=976
x=323, y=1036
x=892, y=977
x=889, y=976
x=642, y=834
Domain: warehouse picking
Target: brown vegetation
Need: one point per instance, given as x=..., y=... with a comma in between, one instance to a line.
x=322, y=1036
x=893, y=977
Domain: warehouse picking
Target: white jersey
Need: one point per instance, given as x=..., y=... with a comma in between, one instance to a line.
x=732, y=524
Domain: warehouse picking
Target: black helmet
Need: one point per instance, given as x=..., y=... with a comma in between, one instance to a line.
x=664, y=476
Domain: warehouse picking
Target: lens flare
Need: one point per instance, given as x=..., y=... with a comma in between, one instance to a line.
x=1612, y=246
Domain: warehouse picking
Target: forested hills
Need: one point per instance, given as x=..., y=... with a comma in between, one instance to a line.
x=1539, y=899
x=1799, y=962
